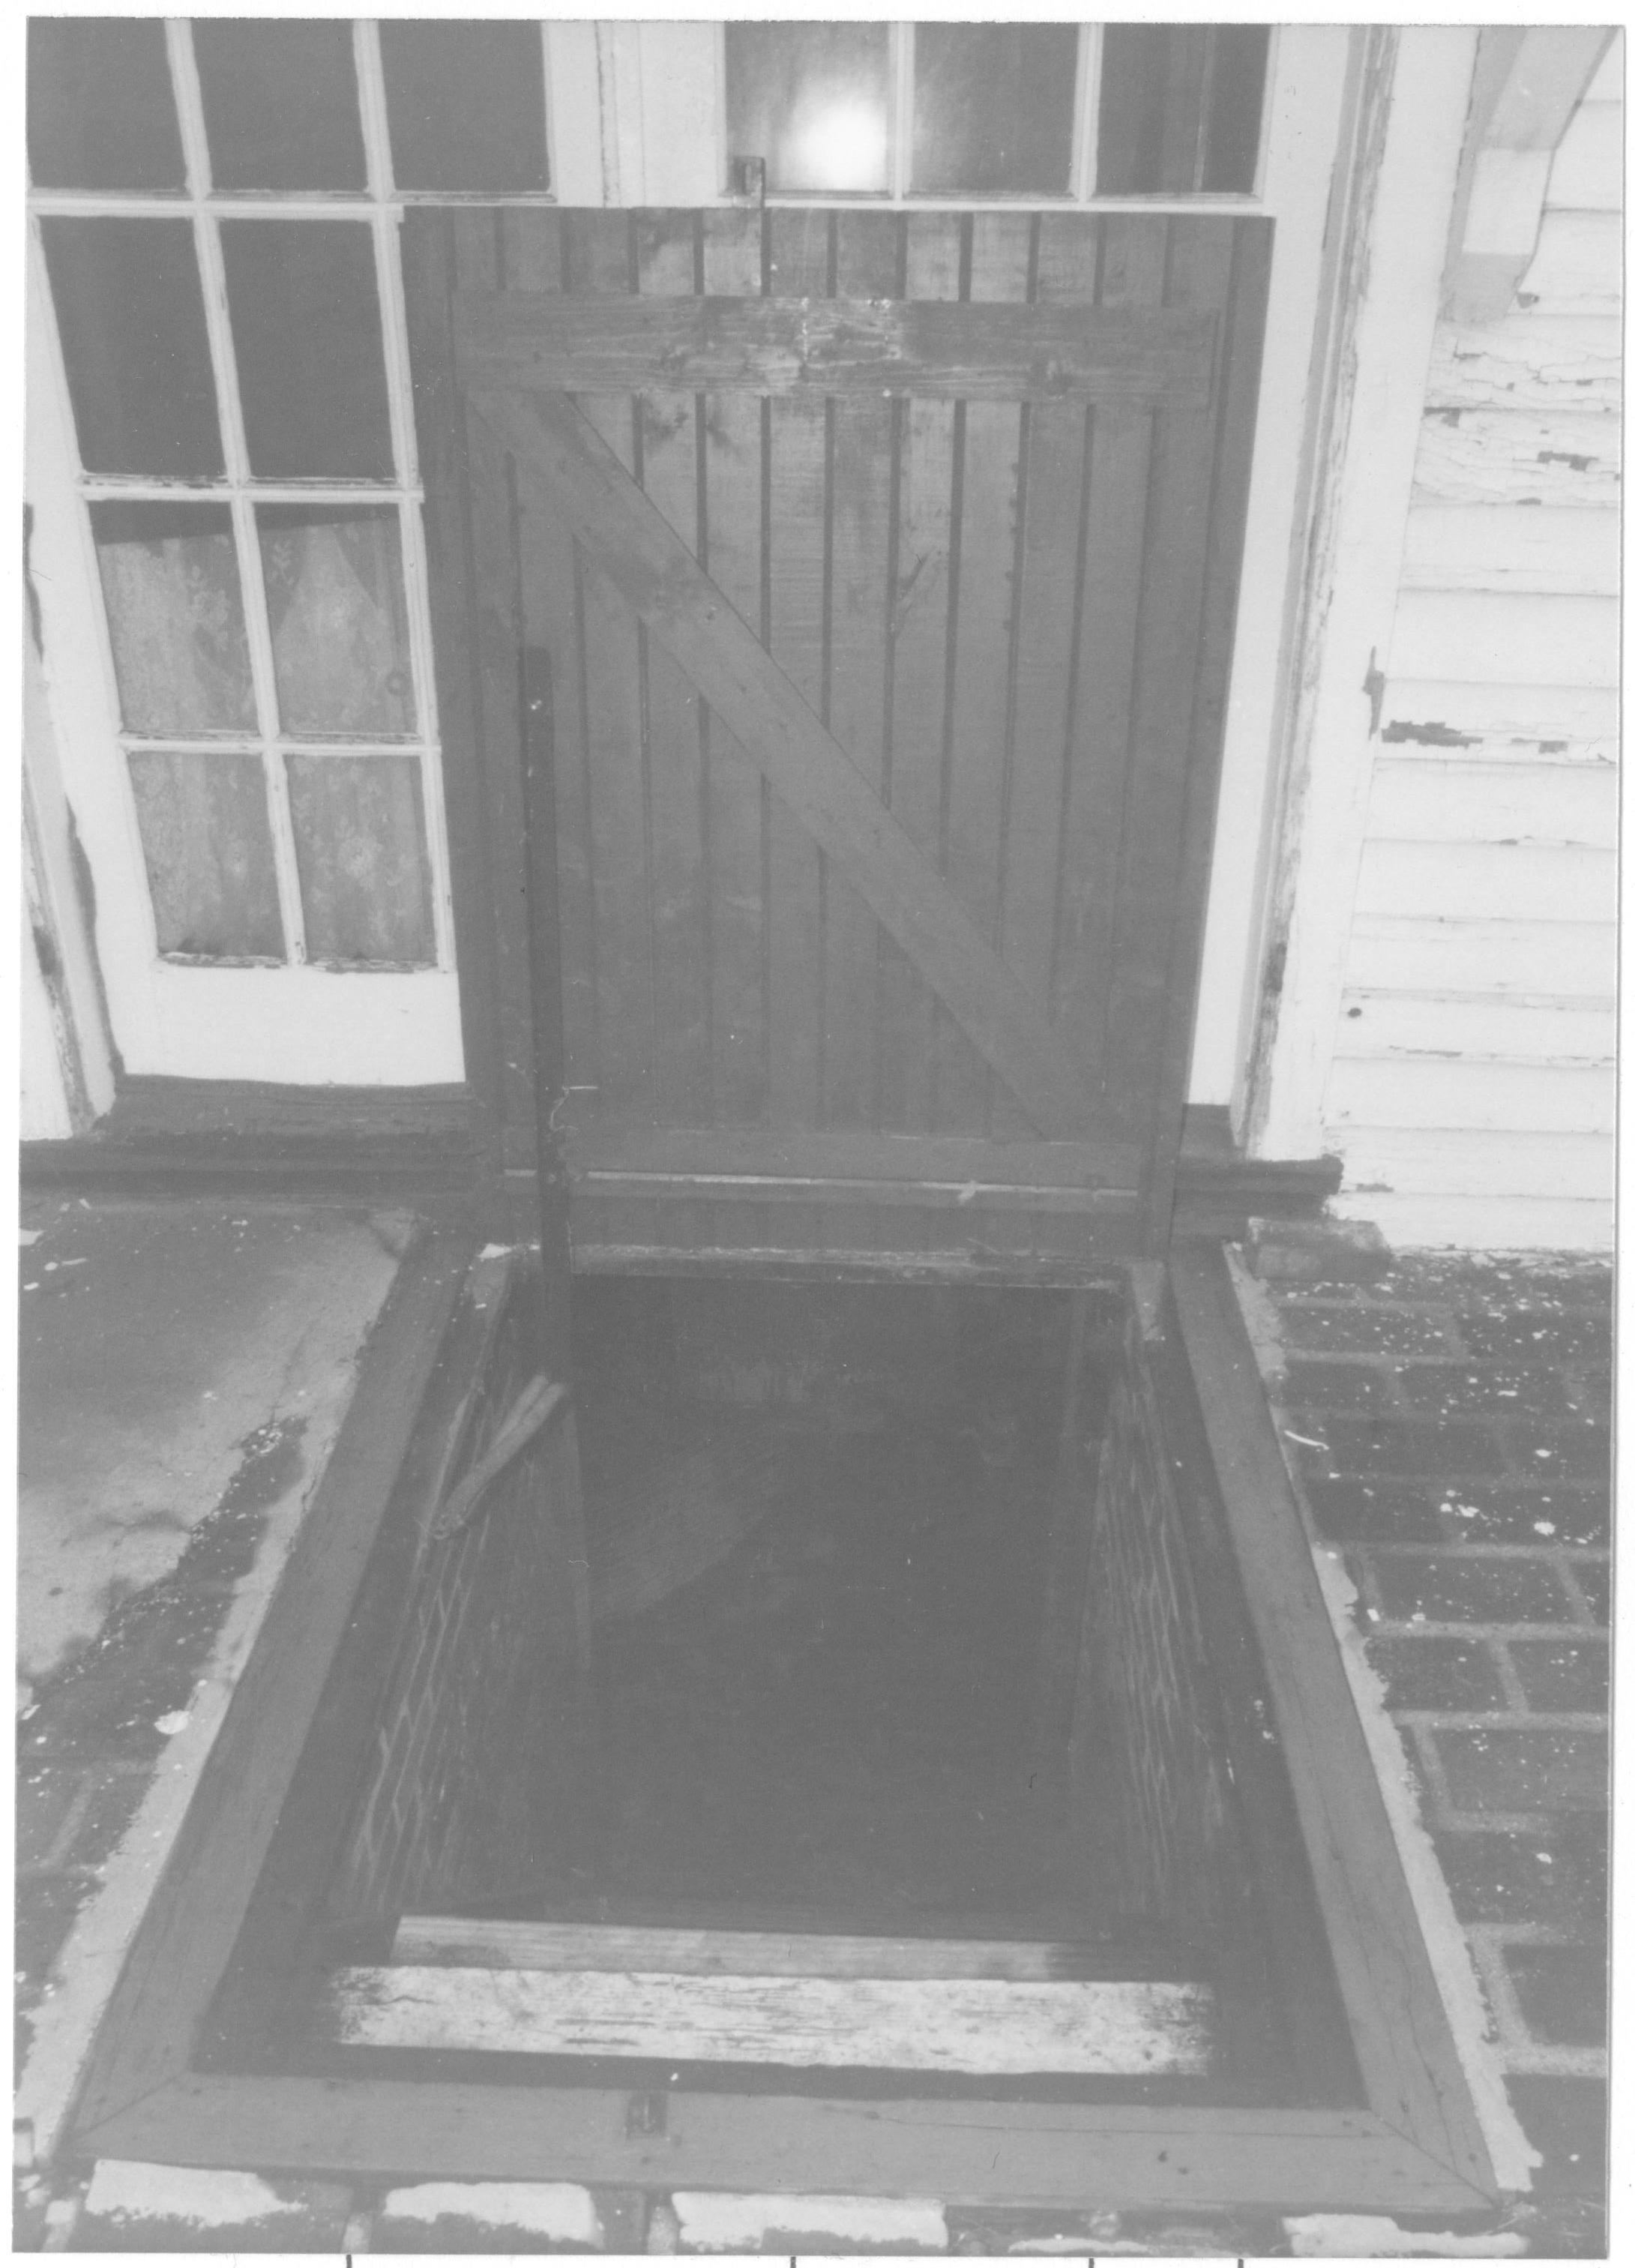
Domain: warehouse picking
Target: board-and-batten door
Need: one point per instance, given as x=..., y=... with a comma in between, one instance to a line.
x=857, y=588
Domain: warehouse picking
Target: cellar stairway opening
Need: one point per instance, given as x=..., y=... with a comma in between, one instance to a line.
x=878, y=1748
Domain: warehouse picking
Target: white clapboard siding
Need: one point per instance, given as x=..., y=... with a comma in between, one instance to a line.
x=458, y=1942
x=1529, y=360
x=1587, y=173
x=1478, y=1162
x=1527, y=1029
x=1433, y=799
x=1512, y=548
x=1424, y=954
x=978, y=2025
x=1489, y=639
x=1430, y=1090
x=1578, y=264
x=1487, y=881
x=1566, y=459
x=1551, y=717
x=1446, y=1219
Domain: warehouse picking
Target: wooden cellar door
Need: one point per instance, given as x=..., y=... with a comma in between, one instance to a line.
x=848, y=596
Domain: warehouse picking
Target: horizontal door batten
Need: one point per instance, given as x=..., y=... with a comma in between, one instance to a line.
x=943, y=349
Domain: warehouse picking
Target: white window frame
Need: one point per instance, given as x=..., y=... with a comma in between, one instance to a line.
x=1080, y=194
x=292, y=1021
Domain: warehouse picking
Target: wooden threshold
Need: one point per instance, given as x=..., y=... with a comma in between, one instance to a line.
x=166, y=1136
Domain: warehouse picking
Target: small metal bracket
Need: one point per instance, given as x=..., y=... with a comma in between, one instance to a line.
x=645, y=2116
x=746, y=179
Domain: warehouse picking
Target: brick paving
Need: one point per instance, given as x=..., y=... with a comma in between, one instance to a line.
x=1448, y=1421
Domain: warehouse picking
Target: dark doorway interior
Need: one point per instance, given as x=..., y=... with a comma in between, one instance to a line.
x=818, y=1523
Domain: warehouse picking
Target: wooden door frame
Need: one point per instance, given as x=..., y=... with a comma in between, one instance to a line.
x=1414, y=2142
x=1127, y=1201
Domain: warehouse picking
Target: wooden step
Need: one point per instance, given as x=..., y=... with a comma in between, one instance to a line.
x=431, y=1940
x=978, y=2025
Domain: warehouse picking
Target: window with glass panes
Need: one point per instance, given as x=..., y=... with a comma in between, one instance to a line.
x=963, y=111
x=217, y=204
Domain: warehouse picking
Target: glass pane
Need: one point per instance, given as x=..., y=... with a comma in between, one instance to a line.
x=307, y=327
x=170, y=576
x=208, y=847
x=280, y=103
x=812, y=100
x=132, y=322
x=100, y=112
x=466, y=105
x=360, y=843
x=1236, y=93
x=335, y=598
x=1181, y=107
x=993, y=108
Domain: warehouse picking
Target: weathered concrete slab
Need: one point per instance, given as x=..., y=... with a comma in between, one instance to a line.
x=155, y=1343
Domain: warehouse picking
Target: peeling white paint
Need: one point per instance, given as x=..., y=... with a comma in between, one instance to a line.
x=559, y=2211
x=717, y=2221
x=1376, y=2236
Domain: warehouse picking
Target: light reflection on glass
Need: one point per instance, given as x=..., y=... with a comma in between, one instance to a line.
x=838, y=145
x=812, y=100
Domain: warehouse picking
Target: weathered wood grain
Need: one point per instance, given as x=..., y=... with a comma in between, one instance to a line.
x=457, y=1942
x=953, y=351
x=661, y=581
x=968, y=2024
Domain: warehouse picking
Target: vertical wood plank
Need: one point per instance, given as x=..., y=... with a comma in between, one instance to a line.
x=1198, y=271
x=544, y=934
x=533, y=247
x=497, y=600
x=990, y=441
x=1120, y=443
x=431, y=278
x=862, y=502
x=862, y=462
x=666, y=245
x=615, y=657
x=796, y=519
x=917, y=683
x=730, y=552
x=1053, y=561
